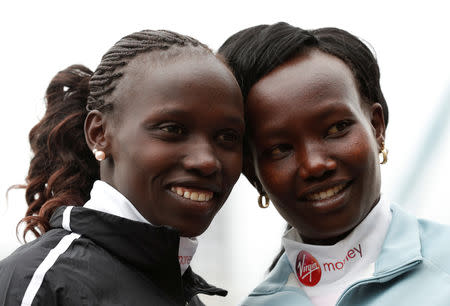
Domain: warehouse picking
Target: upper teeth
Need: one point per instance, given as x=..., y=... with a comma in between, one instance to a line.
x=195, y=195
x=322, y=195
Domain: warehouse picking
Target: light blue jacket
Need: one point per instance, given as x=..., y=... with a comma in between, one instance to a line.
x=413, y=268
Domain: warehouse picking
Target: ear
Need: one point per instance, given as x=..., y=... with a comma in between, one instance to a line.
x=377, y=121
x=249, y=171
x=94, y=131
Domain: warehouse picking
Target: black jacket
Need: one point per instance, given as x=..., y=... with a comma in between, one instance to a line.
x=106, y=260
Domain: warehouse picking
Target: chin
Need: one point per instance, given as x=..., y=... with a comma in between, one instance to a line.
x=191, y=234
x=327, y=235
x=192, y=231
x=193, y=226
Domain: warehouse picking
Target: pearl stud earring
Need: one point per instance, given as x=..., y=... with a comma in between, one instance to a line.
x=99, y=155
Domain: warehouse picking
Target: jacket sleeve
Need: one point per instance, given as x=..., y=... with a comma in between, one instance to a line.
x=15, y=289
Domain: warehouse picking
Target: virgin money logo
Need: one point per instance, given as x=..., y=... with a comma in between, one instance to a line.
x=184, y=260
x=308, y=269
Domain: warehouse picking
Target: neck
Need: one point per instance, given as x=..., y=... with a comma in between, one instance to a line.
x=325, y=241
x=333, y=239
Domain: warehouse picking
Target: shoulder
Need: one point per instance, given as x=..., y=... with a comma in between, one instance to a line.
x=37, y=269
x=287, y=296
x=433, y=232
x=31, y=254
x=17, y=270
x=433, y=238
x=275, y=289
x=435, y=242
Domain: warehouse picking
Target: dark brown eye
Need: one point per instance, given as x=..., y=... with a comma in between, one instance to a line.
x=172, y=128
x=229, y=138
x=338, y=127
x=280, y=151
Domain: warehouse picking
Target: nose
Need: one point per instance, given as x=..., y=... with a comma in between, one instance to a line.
x=315, y=162
x=201, y=158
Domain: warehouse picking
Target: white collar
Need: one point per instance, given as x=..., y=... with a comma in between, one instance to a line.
x=329, y=267
x=107, y=199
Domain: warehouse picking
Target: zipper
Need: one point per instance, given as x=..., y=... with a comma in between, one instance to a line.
x=391, y=274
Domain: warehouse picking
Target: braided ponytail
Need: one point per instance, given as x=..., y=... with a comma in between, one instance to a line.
x=63, y=169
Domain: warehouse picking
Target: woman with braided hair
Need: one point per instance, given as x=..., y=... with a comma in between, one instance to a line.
x=131, y=163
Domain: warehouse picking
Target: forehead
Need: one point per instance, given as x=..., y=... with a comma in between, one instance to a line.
x=156, y=73
x=154, y=81
x=308, y=81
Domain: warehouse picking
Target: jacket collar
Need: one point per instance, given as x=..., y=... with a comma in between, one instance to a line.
x=276, y=281
x=402, y=246
x=152, y=250
x=107, y=199
x=401, y=251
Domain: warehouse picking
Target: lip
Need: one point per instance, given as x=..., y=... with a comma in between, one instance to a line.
x=321, y=187
x=203, y=185
x=200, y=207
x=192, y=207
x=328, y=205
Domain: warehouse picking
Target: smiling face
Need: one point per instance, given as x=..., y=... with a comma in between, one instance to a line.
x=176, y=149
x=315, y=145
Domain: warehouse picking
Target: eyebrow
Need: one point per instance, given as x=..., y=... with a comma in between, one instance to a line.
x=327, y=112
x=330, y=108
x=324, y=112
x=235, y=120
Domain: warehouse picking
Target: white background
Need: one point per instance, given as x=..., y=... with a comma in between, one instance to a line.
x=411, y=40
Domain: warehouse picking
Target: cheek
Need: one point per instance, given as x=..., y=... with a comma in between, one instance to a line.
x=360, y=159
x=276, y=177
x=360, y=153
x=145, y=162
x=232, y=166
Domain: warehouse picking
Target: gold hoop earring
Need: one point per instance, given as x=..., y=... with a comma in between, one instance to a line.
x=384, y=152
x=266, y=200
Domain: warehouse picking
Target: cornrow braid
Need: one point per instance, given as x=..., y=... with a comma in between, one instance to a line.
x=105, y=77
x=63, y=169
